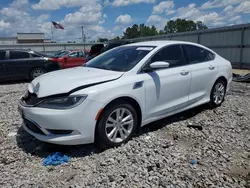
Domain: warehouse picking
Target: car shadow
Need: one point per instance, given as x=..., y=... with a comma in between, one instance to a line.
x=31, y=145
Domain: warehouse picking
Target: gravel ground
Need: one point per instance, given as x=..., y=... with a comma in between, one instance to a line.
x=159, y=156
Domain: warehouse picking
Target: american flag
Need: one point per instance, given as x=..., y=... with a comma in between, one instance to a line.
x=57, y=25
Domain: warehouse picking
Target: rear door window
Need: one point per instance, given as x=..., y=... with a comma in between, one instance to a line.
x=18, y=55
x=2, y=55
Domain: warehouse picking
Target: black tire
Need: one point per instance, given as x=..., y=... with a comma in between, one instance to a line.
x=213, y=103
x=33, y=72
x=101, y=137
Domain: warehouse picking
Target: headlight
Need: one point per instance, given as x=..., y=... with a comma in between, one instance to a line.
x=62, y=102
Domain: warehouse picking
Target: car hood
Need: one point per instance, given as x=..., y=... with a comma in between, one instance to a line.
x=69, y=80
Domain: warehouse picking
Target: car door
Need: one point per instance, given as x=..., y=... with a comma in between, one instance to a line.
x=18, y=64
x=203, y=72
x=3, y=70
x=167, y=90
x=73, y=60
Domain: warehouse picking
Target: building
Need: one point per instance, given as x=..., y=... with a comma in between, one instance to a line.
x=30, y=38
x=8, y=40
x=25, y=38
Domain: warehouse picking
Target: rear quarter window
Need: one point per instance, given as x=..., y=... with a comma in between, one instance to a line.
x=210, y=55
x=195, y=54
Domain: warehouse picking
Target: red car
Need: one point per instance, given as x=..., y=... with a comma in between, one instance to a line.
x=72, y=58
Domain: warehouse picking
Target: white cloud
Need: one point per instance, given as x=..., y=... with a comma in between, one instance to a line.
x=106, y=3
x=228, y=8
x=4, y=25
x=82, y=18
x=171, y=12
x=13, y=13
x=235, y=19
x=57, y=4
x=89, y=14
x=220, y=3
x=243, y=7
x=117, y=28
x=19, y=3
x=154, y=19
x=158, y=21
x=105, y=16
x=213, y=19
x=123, y=19
x=164, y=6
x=119, y=3
x=189, y=12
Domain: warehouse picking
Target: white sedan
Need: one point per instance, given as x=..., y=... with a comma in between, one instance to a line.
x=121, y=90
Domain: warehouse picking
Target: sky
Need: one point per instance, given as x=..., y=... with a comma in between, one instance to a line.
x=109, y=18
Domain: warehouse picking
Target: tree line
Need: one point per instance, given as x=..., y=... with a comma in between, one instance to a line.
x=172, y=26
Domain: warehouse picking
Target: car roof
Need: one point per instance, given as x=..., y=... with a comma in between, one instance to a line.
x=160, y=43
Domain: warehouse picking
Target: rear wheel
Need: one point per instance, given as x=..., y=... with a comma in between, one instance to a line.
x=117, y=125
x=218, y=93
x=36, y=72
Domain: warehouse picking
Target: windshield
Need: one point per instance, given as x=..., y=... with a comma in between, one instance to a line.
x=60, y=53
x=121, y=59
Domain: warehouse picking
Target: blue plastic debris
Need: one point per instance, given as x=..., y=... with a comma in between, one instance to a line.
x=55, y=159
x=193, y=162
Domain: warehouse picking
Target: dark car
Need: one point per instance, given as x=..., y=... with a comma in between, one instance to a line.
x=24, y=64
x=95, y=51
x=113, y=44
x=100, y=48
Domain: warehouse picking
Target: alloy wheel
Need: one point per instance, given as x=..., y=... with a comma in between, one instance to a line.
x=219, y=93
x=37, y=72
x=119, y=125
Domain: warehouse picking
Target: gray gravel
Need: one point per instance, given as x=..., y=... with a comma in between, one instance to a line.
x=219, y=140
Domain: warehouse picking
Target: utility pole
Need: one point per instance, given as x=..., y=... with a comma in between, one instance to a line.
x=83, y=38
x=82, y=35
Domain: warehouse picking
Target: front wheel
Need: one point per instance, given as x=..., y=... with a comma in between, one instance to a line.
x=117, y=125
x=218, y=93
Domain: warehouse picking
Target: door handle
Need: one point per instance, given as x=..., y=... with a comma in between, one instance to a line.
x=211, y=67
x=184, y=72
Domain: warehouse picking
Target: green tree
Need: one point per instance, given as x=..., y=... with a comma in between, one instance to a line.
x=132, y=32
x=183, y=25
x=102, y=40
x=200, y=25
x=161, y=32
x=153, y=31
x=140, y=31
x=116, y=38
x=170, y=27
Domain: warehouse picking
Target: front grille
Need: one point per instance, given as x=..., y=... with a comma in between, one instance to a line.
x=31, y=99
x=53, y=131
x=33, y=127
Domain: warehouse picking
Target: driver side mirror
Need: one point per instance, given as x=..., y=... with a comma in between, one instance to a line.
x=156, y=65
x=159, y=65
x=65, y=58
